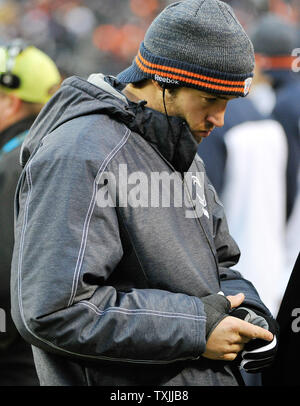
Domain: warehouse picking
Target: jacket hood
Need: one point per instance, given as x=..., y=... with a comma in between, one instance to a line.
x=103, y=95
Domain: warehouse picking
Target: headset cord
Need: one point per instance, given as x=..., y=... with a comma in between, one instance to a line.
x=168, y=119
x=165, y=107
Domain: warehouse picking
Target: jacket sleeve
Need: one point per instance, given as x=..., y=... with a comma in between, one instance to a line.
x=66, y=248
x=228, y=254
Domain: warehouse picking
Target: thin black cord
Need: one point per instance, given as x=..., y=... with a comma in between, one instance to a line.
x=168, y=119
x=165, y=107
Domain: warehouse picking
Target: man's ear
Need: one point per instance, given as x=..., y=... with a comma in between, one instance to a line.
x=158, y=85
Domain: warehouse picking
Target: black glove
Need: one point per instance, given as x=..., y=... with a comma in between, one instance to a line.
x=257, y=353
x=216, y=307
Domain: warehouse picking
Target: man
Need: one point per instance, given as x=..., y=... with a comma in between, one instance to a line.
x=110, y=284
x=27, y=79
x=253, y=147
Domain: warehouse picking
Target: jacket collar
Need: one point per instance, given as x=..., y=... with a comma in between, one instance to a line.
x=172, y=138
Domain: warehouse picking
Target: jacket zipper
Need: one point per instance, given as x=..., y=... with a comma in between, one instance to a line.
x=191, y=201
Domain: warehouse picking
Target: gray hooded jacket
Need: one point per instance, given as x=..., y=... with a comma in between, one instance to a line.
x=110, y=294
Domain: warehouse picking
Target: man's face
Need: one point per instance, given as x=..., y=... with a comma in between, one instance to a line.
x=202, y=111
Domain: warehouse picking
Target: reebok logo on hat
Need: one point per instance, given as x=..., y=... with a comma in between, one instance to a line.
x=165, y=80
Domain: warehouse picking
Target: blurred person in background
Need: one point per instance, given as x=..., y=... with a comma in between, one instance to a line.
x=246, y=162
x=126, y=293
x=256, y=158
x=277, y=50
x=277, y=42
x=28, y=78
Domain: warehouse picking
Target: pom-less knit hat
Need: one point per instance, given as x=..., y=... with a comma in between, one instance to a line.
x=195, y=43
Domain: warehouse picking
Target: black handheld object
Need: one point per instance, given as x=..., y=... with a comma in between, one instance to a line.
x=257, y=354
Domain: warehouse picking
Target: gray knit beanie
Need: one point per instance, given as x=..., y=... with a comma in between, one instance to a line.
x=195, y=43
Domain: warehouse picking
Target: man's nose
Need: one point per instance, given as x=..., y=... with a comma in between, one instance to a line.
x=216, y=118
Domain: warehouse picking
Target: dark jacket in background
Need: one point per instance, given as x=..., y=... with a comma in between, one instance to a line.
x=287, y=112
x=213, y=149
x=16, y=361
x=285, y=370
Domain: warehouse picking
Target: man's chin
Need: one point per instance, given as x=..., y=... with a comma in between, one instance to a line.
x=200, y=135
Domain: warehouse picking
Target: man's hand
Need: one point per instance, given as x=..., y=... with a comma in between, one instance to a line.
x=230, y=336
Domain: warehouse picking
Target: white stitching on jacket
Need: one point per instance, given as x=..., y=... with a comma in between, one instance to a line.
x=132, y=312
x=29, y=183
x=89, y=216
